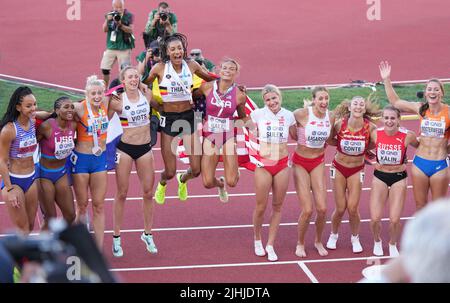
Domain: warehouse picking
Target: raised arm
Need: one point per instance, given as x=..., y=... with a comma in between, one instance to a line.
x=394, y=99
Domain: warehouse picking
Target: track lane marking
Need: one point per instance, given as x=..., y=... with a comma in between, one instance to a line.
x=308, y=273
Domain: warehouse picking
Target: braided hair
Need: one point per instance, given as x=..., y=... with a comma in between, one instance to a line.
x=57, y=105
x=164, y=45
x=12, y=113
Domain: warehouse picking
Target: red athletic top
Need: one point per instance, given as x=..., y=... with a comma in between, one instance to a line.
x=353, y=143
x=391, y=150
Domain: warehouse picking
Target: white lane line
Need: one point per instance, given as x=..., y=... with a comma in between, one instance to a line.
x=347, y=259
x=310, y=86
x=216, y=195
x=190, y=228
x=242, y=264
x=308, y=272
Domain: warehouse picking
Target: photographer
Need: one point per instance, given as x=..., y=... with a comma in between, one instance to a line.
x=149, y=57
x=119, y=39
x=161, y=22
x=196, y=54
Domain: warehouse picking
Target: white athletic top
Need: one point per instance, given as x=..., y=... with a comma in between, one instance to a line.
x=134, y=114
x=273, y=128
x=176, y=87
x=316, y=131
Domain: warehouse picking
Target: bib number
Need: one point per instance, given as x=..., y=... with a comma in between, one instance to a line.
x=218, y=125
x=332, y=172
x=162, y=121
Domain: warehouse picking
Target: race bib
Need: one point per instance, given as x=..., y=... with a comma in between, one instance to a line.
x=27, y=146
x=435, y=129
x=138, y=117
x=389, y=157
x=332, y=172
x=63, y=147
x=162, y=121
x=218, y=125
x=353, y=147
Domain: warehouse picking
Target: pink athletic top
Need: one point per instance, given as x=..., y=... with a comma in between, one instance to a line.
x=60, y=144
x=220, y=109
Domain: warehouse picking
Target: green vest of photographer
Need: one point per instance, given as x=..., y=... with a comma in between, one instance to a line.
x=159, y=30
x=123, y=40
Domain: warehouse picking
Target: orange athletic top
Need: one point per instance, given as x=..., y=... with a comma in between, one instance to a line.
x=86, y=124
x=436, y=126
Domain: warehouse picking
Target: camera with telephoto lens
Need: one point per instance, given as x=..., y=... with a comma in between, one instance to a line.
x=163, y=16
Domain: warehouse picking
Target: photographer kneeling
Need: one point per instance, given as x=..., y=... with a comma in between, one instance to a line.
x=119, y=39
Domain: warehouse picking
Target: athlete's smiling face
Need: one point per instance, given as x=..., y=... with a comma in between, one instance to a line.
x=27, y=107
x=66, y=110
x=228, y=70
x=175, y=51
x=433, y=92
x=321, y=101
x=272, y=101
x=391, y=120
x=357, y=107
x=95, y=95
x=131, y=79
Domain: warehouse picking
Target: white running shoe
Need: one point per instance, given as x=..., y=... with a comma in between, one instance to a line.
x=393, y=251
x=271, y=255
x=259, y=249
x=378, y=248
x=148, y=240
x=356, y=245
x=117, y=248
x=331, y=243
x=223, y=194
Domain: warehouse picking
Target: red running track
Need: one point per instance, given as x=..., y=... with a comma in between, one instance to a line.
x=204, y=240
x=286, y=42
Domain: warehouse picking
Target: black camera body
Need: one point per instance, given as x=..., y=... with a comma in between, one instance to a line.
x=199, y=61
x=163, y=16
x=115, y=15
